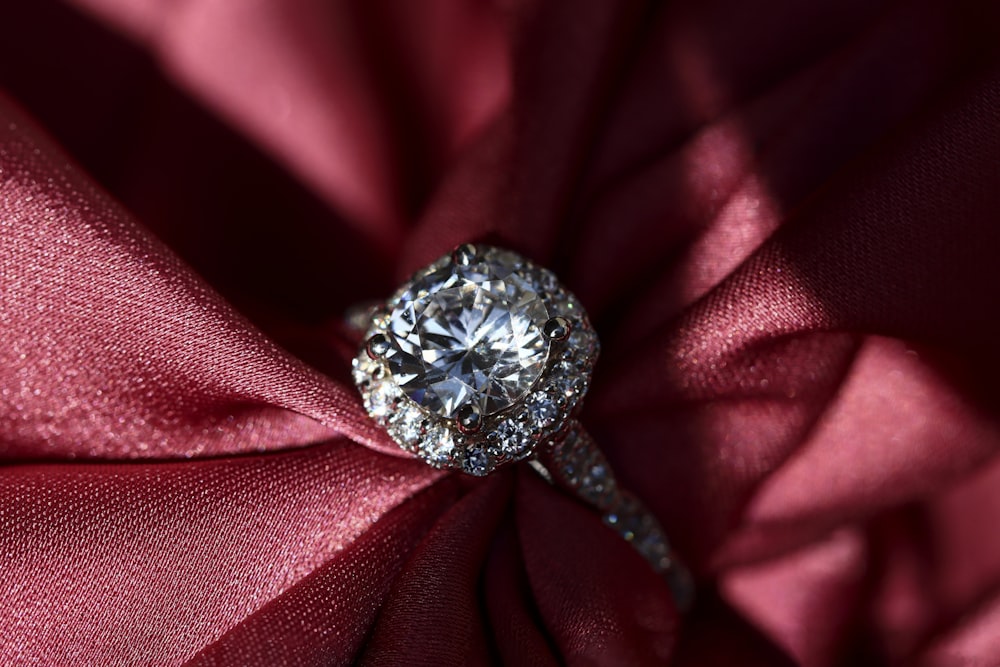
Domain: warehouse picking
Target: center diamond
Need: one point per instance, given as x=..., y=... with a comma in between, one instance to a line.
x=468, y=334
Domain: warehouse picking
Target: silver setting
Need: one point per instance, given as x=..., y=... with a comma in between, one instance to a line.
x=557, y=328
x=378, y=346
x=492, y=432
x=575, y=463
x=469, y=419
x=465, y=254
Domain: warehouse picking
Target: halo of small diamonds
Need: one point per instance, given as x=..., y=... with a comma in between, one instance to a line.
x=475, y=332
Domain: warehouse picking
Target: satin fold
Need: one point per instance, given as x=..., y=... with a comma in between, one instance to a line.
x=781, y=216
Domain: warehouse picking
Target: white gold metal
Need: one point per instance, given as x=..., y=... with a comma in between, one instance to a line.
x=574, y=462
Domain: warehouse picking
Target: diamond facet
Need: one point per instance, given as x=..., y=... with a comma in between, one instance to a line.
x=468, y=334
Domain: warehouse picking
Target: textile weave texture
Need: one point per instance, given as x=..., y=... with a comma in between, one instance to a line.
x=781, y=216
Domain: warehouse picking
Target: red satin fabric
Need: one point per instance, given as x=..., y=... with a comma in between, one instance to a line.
x=782, y=217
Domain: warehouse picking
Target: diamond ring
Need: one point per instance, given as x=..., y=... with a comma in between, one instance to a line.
x=482, y=359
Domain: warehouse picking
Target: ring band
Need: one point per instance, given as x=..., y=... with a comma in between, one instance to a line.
x=576, y=463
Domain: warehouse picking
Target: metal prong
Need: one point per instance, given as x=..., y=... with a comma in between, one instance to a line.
x=464, y=254
x=542, y=471
x=557, y=328
x=378, y=346
x=469, y=418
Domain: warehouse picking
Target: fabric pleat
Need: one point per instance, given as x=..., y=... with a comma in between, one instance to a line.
x=781, y=216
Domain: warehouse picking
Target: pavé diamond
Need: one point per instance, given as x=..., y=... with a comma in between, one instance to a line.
x=567, y=379
x=543, y=410
x=511, y=437
x=439, y=445
x=407, y=425
x=380, y=401
x=468, y=334
x=477, y=462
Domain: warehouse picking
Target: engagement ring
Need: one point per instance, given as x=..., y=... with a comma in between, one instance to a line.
x=482, y=359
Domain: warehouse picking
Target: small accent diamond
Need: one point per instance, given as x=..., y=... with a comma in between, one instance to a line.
x=381, y=400
x=439, y=446
x=584, y=468
x=511, y=437
x=363, y=370
x=407, y=425
x=630, y=520
x=477, y=462
x=543, y=410
x=567, y=380
x=580, y=342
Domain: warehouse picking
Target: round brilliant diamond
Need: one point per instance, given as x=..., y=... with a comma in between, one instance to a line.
x=469, y=334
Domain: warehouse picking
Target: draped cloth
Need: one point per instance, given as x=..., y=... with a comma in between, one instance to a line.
x=781, y=216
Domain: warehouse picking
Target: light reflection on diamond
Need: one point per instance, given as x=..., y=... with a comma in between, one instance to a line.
x=543, y=410
x=512, y=437
x=439, y=446
x=477, y=462
x=567, y=378
x=381, y=401
x=469, y=335
x=408, y=425
x=581, y=342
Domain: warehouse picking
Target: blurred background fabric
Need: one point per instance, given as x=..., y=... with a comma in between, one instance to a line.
x=781, y=216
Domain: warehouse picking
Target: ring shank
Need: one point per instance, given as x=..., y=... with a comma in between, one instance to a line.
x=576, y=464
